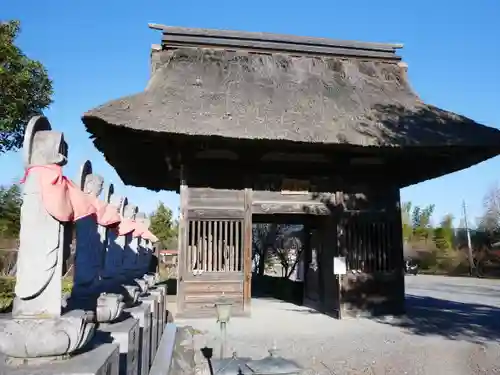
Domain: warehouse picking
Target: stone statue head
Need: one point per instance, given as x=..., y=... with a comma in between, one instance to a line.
x=109, y=193
x=130, y=211
x=118, y=202
x=93, y=185
x=90, y=183
x=140, y=216
x=42, y=145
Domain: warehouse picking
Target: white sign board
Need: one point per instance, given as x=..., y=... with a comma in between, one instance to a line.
x=339, y=266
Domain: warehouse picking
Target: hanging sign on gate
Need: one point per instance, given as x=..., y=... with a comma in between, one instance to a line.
x=291, y=186
x=339, y=266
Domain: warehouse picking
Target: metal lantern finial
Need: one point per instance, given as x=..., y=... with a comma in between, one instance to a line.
x=223, y=309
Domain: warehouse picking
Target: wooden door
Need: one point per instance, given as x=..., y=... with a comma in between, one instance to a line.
x=213, y=265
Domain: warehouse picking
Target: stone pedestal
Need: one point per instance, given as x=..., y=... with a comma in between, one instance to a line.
x=164, y=358
x=32, y=338
x=142, y=284
x=163, y=287
x=161, y=298
x=126, y=334
x=157, y=296
x=101, y=360
x=152, y=303
x=143, y=314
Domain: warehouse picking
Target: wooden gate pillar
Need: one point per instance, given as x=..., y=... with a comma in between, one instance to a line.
x=181, y=240
x=247, y=251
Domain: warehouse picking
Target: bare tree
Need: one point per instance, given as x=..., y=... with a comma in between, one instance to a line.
x=490, y=220
x=264, y=241
x=288, y=248
x=277, y=244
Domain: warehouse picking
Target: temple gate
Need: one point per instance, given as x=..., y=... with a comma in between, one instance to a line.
x=251, y=125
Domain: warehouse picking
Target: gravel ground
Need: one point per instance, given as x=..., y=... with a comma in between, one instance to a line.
x=453, y=327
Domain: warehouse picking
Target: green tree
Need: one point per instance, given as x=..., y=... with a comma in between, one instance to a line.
x=444, y=234
x=25, y=88
x=421, y=221
x=163, y=225
x=10, y=211
x=406, y=221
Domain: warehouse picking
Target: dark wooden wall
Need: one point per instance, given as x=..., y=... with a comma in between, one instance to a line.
x=372, y=242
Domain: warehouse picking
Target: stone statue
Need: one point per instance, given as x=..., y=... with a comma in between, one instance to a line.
x=40, y=257
x=87, y=283
x=103, y=230
x=89, y=248
x=131, y=253
x=132, y=250
x=115, y=244
x=145, y=249
x=43, y=242
x=142, y=263
x=114, y=254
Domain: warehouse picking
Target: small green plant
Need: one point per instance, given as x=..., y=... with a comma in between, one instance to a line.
x=67, y=286
x=6, y=293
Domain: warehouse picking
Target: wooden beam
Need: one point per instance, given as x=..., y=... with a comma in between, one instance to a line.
x=247, y=251
x=212, y=213
x=398, y=256
x=288, y=207
x=258, y=46
x=288, y=39
x=233, y=169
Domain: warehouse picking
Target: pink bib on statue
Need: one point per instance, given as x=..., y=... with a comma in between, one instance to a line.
x=61, y=197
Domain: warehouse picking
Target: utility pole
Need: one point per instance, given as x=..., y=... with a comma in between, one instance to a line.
x=469, y=242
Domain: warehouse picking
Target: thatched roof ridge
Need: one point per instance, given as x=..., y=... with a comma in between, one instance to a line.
x=176, y=37
x=312, y=99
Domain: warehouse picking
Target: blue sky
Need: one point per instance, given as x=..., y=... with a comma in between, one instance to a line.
x=96, y=51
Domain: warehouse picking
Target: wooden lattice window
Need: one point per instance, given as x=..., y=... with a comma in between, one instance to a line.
x=369, y=244
x=215, y=245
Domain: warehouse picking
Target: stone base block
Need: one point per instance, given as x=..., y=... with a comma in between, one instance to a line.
x=126, y=334
x=163, y=287
x=152, y=303
x=164, y=357
x=160, y=294
x=102, y=359
x=143, y=314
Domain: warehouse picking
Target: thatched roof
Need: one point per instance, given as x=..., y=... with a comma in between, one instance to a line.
x=254, y=86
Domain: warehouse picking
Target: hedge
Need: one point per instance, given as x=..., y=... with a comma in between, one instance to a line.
x=7, y=285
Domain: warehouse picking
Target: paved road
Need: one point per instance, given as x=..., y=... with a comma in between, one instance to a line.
x=452, y=327
x=459, y=289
